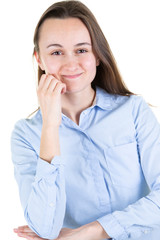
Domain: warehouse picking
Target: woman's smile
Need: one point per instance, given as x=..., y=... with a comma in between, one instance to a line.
x=71, y=77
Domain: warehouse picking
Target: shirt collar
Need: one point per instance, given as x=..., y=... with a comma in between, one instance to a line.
x=103, y=99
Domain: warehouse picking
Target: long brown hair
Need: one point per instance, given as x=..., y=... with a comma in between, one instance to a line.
x=107, y=76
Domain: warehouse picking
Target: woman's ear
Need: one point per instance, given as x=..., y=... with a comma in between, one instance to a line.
x=97, y=62
x=37, y=57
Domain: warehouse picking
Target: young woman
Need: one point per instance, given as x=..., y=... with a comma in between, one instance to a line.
x=87, y=163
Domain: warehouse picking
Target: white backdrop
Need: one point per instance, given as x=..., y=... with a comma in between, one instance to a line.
x=132, y=30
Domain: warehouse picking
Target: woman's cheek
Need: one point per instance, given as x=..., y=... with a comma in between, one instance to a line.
x=89, y=62
x=51, y=67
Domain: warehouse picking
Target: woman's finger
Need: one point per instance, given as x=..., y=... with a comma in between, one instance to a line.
x=31, y=237
x=52, y=84
x=46, y=81
x=26, y=232
x=22, y=229
x=60, y=88
x=42, y=80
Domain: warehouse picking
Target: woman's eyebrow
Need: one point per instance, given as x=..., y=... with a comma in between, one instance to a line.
x=54, y=45
x=83, y=43
x=76, y=45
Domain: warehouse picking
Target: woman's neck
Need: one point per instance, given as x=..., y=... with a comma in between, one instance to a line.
x=74, y=103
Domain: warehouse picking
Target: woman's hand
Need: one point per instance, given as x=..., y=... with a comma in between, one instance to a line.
x=91, y=231
x=49, y=95
x=26, y=232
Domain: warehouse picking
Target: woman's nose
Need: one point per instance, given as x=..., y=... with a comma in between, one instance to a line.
x=70, y=63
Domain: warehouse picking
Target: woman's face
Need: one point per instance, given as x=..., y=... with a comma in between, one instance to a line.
x=65, y=51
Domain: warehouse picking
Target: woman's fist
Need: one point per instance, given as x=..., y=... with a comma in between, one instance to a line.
x=49, y=96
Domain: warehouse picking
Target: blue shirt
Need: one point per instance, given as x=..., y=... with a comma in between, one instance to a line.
x=108, y=170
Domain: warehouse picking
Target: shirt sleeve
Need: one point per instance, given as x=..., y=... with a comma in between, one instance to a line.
x=41, y=185
x=144, y=215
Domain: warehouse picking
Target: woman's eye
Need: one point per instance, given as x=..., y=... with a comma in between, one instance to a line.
x=82, y=51
x=56, y=53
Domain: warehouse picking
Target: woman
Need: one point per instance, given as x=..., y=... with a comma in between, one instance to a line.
x=87, y=162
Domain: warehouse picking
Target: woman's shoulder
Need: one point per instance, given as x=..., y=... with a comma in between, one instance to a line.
x=134, y=101
x=139, y=103
x=117, y=98
x=142, y=111
x=28, y=126
x=116, y=101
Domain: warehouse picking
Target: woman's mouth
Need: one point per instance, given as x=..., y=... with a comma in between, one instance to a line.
x=70, y=77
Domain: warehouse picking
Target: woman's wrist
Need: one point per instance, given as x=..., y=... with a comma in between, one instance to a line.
x=96, y=232
x=50, y=125
x=49, y=146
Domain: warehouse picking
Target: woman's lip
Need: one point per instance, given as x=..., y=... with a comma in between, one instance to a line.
x=72, y=76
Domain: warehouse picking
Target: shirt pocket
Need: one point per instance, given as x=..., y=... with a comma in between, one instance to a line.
x=123, y=165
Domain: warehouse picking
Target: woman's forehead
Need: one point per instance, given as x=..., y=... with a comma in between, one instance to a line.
x=62, y=30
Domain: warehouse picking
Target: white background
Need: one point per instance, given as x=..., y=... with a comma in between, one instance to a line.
x=132, y=28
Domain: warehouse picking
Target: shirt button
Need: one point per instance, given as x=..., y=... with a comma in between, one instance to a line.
x=145, y=231
x=51, y=204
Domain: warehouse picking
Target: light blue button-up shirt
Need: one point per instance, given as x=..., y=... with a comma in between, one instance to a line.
x=108, y=170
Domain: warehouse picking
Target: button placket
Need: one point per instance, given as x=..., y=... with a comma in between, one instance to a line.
x=100, y=186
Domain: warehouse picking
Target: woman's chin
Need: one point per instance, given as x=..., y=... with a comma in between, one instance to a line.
x=72, y=89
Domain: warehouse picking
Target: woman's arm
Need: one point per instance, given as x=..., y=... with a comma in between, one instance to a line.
x=91, y=231
x=41, y=178
x=41, y=184
x=143, y=216
x=49, y=95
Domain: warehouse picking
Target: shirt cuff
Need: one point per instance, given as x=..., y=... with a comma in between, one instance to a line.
x=45, y=169
x=113, y=227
